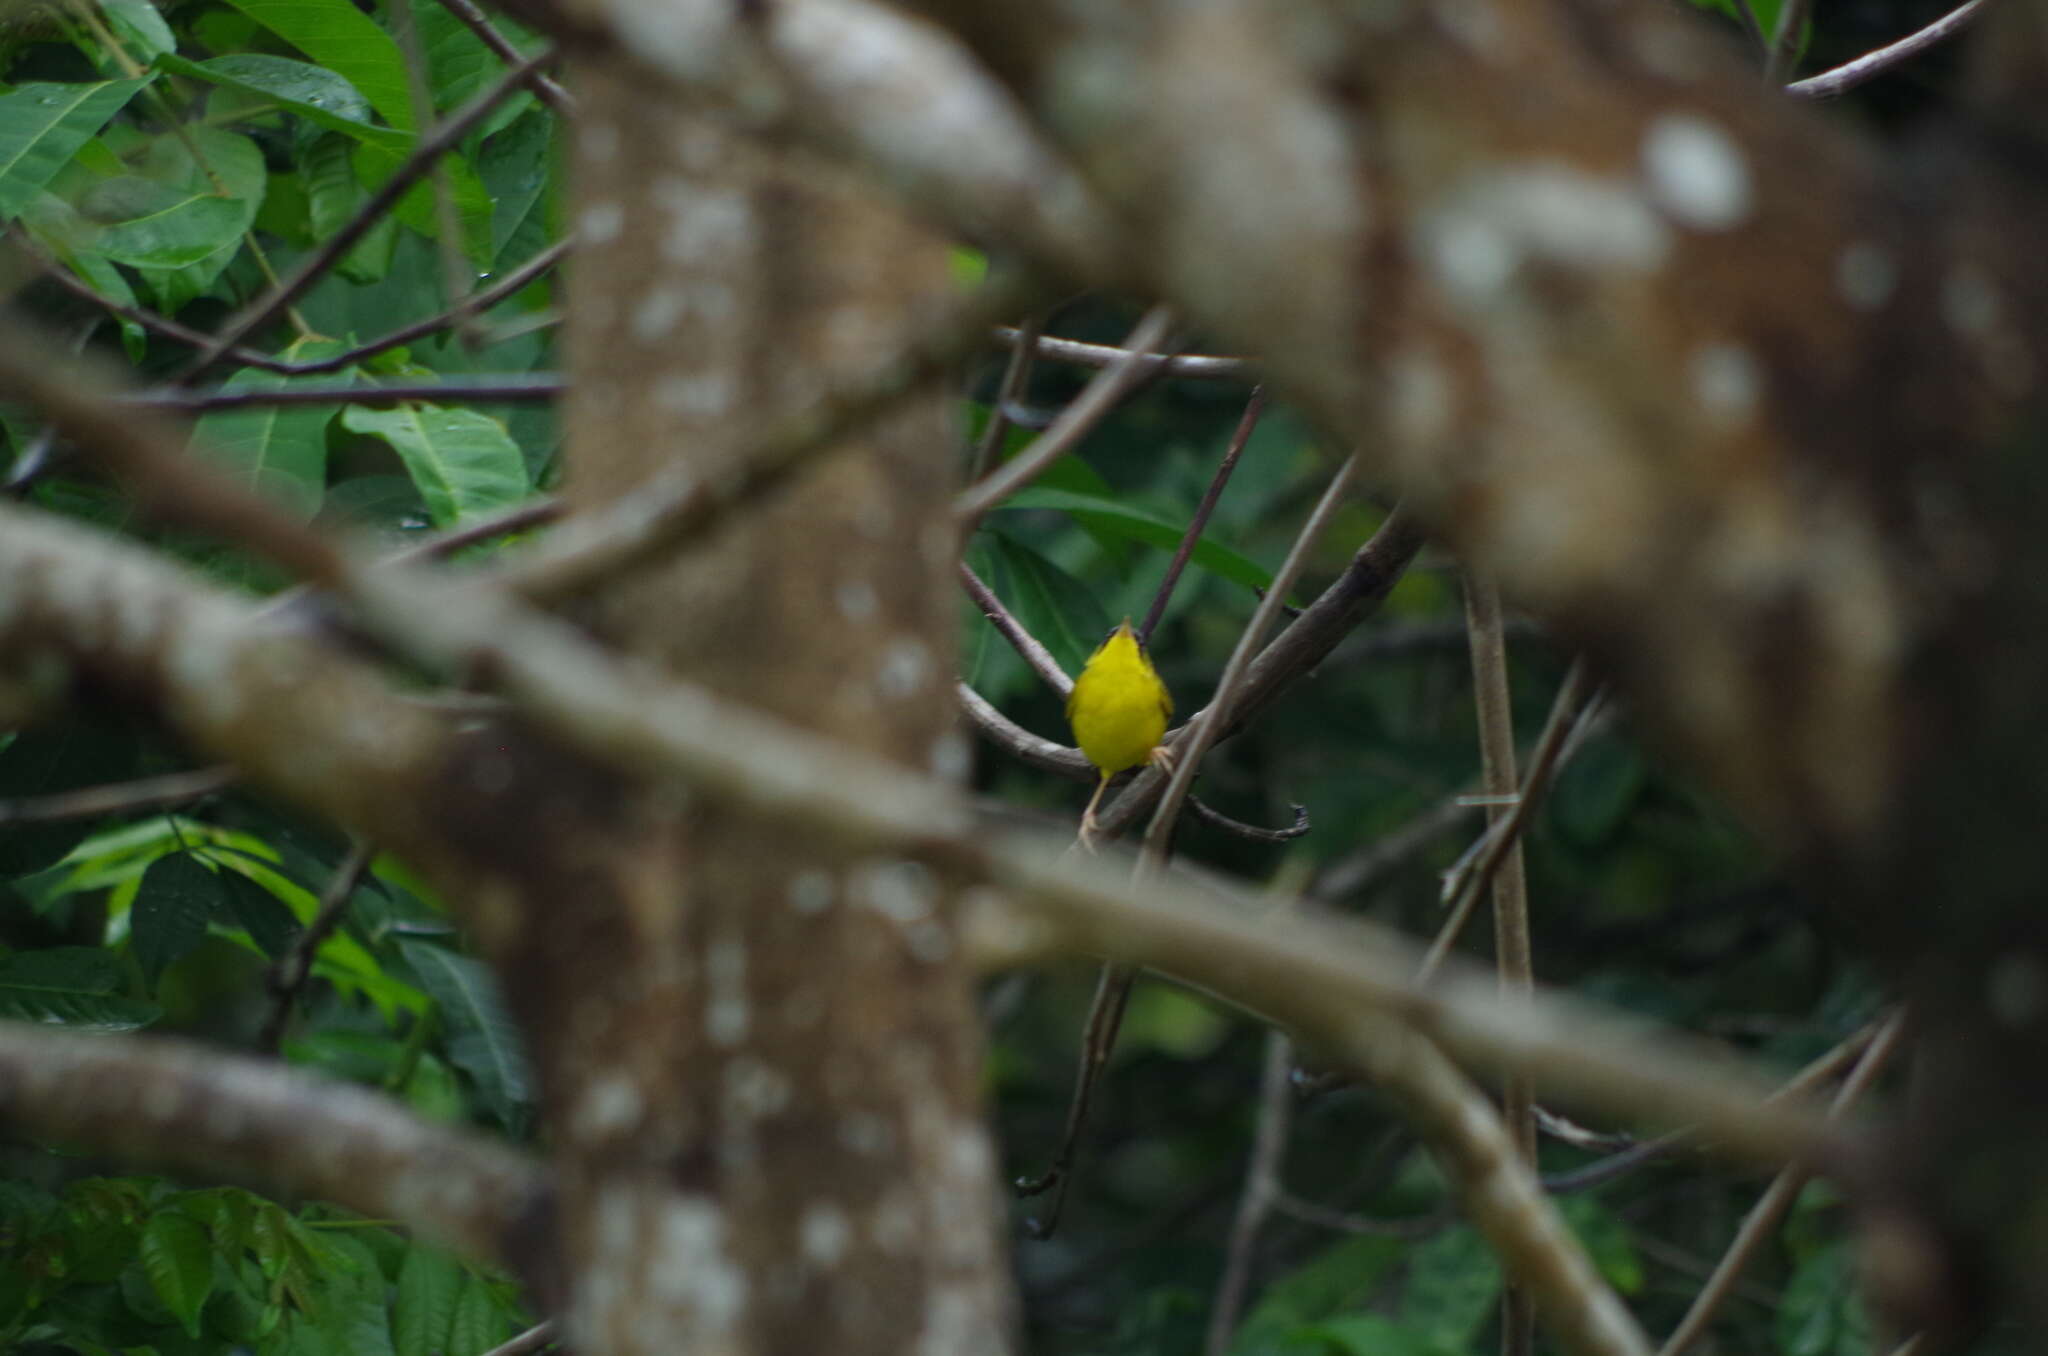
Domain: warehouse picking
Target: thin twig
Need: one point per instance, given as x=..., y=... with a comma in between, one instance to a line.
x=1217, y=819
x=1103, y=355
x=1463, y=884
x=511, y=388
x=1081, y=415
x=1016, y=373
x=1253, y=408
x=1022, y=641
x=1261, y=1186
x=1770, y=1209
x=535, y=1337
x=146, y=793
x=1869, y=66
x=1513, y=954
x=544, y=86
x=289, y=973
x=428, y=150
x=1210, y=721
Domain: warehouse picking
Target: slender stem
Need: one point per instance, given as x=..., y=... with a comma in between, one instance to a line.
x=1869, y=66
x=288, y=976
x=1513, y=955
x=1213, y=718
x=518, y=388
x=1076, y=421
x=1770, y=1209
x=147, y=793
x=1779, y=55
x=1199, y=523
x=1104, y=355
x=1571, y=717
x=1261, y=1186
x=540, y=82
x=1015, y=374
x=1036, y=655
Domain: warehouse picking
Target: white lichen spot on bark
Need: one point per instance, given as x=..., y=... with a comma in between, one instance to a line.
x=690, y=1272
x=703, y=223
x=753, y=1090
x=1727, y=383
x=599, y=223
x=855, y=599
x=1478, y=237
x=866, y=1134
x=596, y=139
x=893, y=1224
x=958, y=1319
x=697, y=395
x=655, y=314
x=610, y=1105
x=825, y=1232
x=1865, y=275
x=951, y=757
x=906, y=664
x=810, y=892
x=1968, y=302
x=901, y=891
x=1697, y=173
x=726, y=1014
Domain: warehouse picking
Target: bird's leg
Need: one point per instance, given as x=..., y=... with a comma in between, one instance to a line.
x=1088, y=824
x=1162, y=758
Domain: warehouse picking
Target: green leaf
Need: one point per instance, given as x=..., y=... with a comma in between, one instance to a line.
x=322, y=97
x=42, y=126
x=177, y=1256
x=1821, y=1314
x=140, y=26
x=176, y=902
x=517, y=167
x=278, y=451
x=270, y=925
x=423, y=1311
x=480, y=1321
x=153, y=225
x=74, y=986
x=375, y=164
x=1594, y=795
x=1606, y=1240
x=62, y=755
x=465, y=463
x=1054, y=606
x=345, y=40
x=1114, y=516
x=1453, y=1286
x=482, y=1040
x=458, y=63
x=1365, y=1335
x=1334, y=1282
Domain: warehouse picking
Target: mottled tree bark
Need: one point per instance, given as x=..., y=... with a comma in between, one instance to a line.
x=760, y=1057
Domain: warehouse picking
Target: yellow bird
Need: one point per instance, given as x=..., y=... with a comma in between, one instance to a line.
x=1118, y=710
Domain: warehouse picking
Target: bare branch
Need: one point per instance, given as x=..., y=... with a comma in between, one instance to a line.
x=174, y=1104
x=1869, y=66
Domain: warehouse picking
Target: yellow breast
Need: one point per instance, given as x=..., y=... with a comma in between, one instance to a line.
x=1118, y=707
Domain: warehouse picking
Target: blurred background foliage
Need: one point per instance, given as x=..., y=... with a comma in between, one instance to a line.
x=171, y=159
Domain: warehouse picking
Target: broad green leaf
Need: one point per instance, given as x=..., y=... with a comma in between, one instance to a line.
x=177, y=1256
x=61, y=755
x=153, y=225
x=278, y=451
x=270, y=925
x=57, y=226
x=465, y=463
x=375, y=164
x=1453, y=1286
x=1336, y=1281
x=74, y=986
x=140, y=26
x=1174, y=1022
x=320, y=96
x=1365, y=1335
x=458, y=63
x=480, y=1321
x=1821, y=1314
x=1594, y=794
x=1111, y=515
x=176, y=901
x=42, y=126
x=1054, y=606
x=517, y=167
x=482, y=1040
x=345, y=40
x=423, y=1310
x=1606, y=1240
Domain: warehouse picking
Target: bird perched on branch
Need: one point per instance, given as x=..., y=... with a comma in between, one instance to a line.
x=1118, y=710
